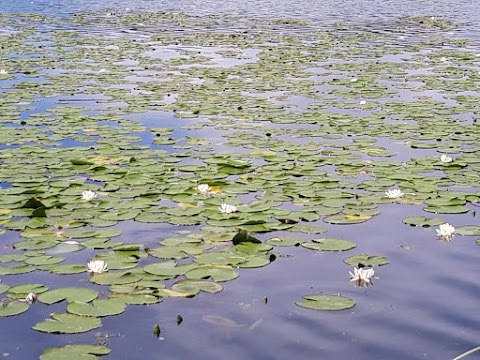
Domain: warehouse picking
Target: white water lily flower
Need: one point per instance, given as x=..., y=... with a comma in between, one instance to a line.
x=445, y=231
x=227, y=209
x=354, y=79
x=31, y=298
x=89, y=195
x=363, y=102
x=446, y=159
x=71, y=242
x=394, y=193
x=443, y=59
x=3, y=72
x=362, y=277
x=204, y=189
x=97, y=266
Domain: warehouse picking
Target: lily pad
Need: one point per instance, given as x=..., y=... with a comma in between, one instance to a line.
x=194, y=286
x=67, y=324
x=216, y=273
x=285, y=241
x=468, y=230
x=422, y=221
x=367, y=260
x=68, y=293
x=111, y=278
x=343, y=219
x=330, y=244
x=20, y=291
x=326, y=302
x=12, y=308
x=97, y=308
x=75, y=352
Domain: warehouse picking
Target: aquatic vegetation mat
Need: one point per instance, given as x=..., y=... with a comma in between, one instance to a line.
x=230, y=141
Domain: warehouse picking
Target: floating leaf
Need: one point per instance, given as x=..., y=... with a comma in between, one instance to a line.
x=12, y=308
x=75, y=352
x=215, y=273
x=342, y=219
x=67, y=324
x=168, y=268
x=68, y=293
x=454, y=209
x=111, y=278
x=367, y=260
x=285, y=241
x=330, y=244
x=326, y=302
x=244, y=236
x=97, y=308
x=194, y=286
x=422, y=221
x=20, y=291
x=141, y=299
x=468, y=230
x=14, y=270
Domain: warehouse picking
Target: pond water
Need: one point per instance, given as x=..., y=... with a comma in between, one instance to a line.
x=300, y=116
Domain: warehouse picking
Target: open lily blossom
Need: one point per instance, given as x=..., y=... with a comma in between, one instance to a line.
x=3, y=72
x=204, y=189
x=394, y=193
x=227, y=209
x=446, y=159
x=89, y=195
x=97, y=266
x=445, y=232
x=362, y=277
x=30, y=298
x=71, y=242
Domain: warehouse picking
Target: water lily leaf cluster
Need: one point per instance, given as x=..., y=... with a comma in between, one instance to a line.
x=294, y=140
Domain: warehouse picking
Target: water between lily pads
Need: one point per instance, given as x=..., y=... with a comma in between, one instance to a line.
x=424, y=304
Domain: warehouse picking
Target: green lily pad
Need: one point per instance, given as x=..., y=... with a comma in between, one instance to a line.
x=326, y=302
x=454, y=209
x=330, y=244
x=64, y=268
x=344, y=219
x=67, y=324
x=468, y=230
x=20, y=291
x=111, y=278
x=422, y=221
x=285, y=241
x=43, y=260
x=97, y=308
x=68, y=293
x=168, y=268
x=75, y=352
x=216, y=273
x=194, y=286
x=134, y=299
x=367, y=260
x=14, y=270
x=12, y=308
